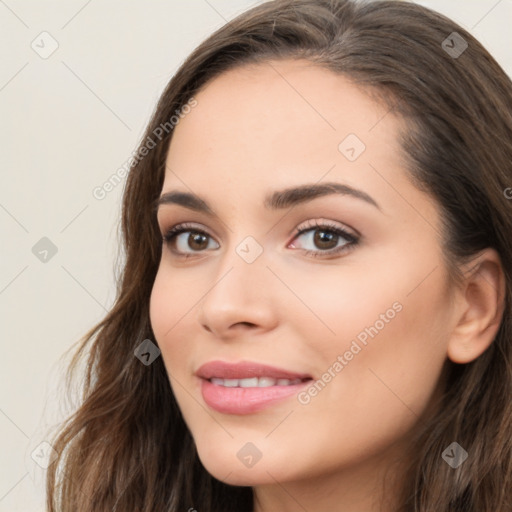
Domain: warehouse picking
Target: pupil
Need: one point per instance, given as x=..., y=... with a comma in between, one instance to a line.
x=325, y=238
x=195, y=240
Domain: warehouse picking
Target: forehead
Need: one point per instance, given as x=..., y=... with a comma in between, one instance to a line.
x=281, y=122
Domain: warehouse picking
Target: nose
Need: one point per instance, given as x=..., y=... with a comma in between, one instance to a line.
x=240, y=298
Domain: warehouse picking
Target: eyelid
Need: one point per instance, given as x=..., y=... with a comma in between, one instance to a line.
x=309, y=224
x=322, y=223
x=190, y=225
x=186, y=226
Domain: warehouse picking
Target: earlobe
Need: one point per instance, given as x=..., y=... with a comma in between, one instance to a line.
x=482, y=307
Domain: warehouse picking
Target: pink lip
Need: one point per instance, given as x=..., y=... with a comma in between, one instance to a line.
x=237, y=400
x=245, y=370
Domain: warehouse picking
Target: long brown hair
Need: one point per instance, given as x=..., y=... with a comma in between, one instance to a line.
x=127, y=448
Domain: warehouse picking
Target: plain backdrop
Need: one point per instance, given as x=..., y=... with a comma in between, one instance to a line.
x=69, y=120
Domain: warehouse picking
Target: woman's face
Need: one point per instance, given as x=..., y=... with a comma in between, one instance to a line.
x=365, y=316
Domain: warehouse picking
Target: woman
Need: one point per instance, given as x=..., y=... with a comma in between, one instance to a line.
x=315, y=309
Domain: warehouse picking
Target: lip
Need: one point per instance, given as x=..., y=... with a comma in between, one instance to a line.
x=245, y=370
x=238, y=400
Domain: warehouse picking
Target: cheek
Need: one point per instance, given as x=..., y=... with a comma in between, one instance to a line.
x=392, y=351
x=167, y=310
x=383, y=362
x=172, y=298
x=170, y=301
x=161, y=307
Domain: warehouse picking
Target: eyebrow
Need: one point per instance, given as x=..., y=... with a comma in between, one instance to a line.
x=277, y=200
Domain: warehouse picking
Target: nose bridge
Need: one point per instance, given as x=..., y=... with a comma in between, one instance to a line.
x=244, y=243
x=239, y=290
x=241, y=267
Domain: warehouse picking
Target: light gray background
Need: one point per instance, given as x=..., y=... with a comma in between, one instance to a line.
x=68, y=122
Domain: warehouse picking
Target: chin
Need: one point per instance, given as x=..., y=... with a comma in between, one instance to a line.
x=226, y=466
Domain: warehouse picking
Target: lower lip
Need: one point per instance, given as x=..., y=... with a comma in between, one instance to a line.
x=237, y=400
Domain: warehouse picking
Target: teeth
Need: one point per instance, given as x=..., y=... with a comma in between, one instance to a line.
x=265, y=382
x=254, y=382
x=248, y=383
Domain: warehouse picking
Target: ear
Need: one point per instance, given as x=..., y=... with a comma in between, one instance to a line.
x=481, y=308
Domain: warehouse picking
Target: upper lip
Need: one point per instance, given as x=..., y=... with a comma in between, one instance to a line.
x=245, y=370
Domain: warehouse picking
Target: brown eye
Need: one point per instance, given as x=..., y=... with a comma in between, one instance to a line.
x=186, y=240
x=197, y=241
x=325, y=240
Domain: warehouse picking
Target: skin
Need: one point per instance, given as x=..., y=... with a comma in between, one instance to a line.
x=267, y=127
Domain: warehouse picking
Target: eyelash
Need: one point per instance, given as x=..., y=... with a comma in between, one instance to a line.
x=352, y=240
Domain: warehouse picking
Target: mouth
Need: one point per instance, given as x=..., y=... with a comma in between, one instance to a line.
x=246, y=370
x=255, y=382
x=247, y=387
